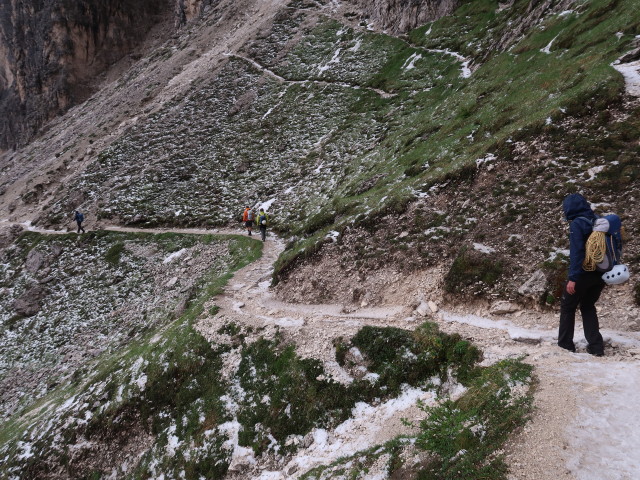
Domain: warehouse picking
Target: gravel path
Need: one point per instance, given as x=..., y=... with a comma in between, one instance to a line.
x=576, y=397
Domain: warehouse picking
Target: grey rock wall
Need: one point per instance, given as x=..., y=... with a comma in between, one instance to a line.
x=50, y=51
x=399, y=16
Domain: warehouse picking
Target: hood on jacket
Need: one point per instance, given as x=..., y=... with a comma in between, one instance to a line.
x=575, y=205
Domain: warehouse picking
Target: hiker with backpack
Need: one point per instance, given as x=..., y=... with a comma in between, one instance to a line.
x=247, y=218
x=79, y=218
x=262, y=220
x=595, y=248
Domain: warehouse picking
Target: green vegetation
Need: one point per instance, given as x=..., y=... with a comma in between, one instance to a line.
x=165, y=383
x=287, y=395
x=471, y=271
x=113, y=254
x=458, y=439
x=164, y=391
x=464, y=434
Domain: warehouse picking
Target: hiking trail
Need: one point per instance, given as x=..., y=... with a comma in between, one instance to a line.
x=584, y=425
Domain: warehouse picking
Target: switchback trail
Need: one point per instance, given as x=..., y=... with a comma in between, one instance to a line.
x=585, y=425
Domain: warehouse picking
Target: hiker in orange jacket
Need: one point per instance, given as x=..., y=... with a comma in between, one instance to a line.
x=247, y=218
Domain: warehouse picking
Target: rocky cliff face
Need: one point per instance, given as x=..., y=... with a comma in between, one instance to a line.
x=51, y=51
x=402, y=15
x=187, y=10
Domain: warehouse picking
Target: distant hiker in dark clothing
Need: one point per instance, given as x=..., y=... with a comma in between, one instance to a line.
x=79, y=218
x=583, y=288
x=247, y=218
x=262, y=220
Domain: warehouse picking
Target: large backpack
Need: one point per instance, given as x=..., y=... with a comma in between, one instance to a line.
x=603, y=249
x=261, y=219
x=250, y=215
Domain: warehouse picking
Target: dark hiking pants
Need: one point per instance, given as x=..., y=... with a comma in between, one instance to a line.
x=80, y=226
x=263, y=232
x=588, y=289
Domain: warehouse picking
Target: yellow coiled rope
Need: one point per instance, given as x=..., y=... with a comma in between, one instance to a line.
x=595, y=250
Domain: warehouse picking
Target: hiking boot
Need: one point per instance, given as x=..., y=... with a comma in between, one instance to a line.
x=572, y=350
x=594, y=352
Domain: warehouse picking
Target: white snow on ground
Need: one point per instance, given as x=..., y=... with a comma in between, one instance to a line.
x=240, y=455
x=605, y=441
x=595, y=171
x=364, y=430
x=173, y=442
x=409, y=64
x=333, y=235
x=489, y=158
x=631, y=74
x=26, y=450
x=483, y=248
x=547, y=49
x=334, y=59
x=465, y=70
x=174, y=255
x=559, y=251
x=266, y=205
x=631, y=339
x=357, y=46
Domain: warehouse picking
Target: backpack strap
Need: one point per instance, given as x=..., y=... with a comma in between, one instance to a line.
x=588, y=220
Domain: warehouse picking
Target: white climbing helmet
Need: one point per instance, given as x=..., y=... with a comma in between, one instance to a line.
x=617, y=275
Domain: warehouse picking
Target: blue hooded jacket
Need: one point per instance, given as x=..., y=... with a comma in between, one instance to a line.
x=577, y=211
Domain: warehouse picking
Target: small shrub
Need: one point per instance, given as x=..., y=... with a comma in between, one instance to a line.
x=471, y=267
x=114, y=253
x=464, y=434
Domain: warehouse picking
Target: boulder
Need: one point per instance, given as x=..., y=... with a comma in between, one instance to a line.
x=423, y=309
x=28, y=304
x=535, y=285
x=502, y=308
x=34, y=262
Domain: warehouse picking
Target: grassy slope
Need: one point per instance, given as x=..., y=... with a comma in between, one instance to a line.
x=513, y=95
x=333, y=152
x=164, y=368
x=159, y=404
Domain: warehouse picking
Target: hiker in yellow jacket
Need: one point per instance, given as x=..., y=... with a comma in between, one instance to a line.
x=262, y=220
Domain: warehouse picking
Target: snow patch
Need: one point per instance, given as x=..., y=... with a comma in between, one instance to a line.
x=547, y=49
x=267, y=205
x=333, y=236
x=465, y=70
x=365, y=429
x=490, y=157
x=409, y=64
x=594, y=171
x=334, y=59
x=606, y=433
x=483, y=248
x=173, y=442
x=240, y=455
x=174, y=256
x=631, y=73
